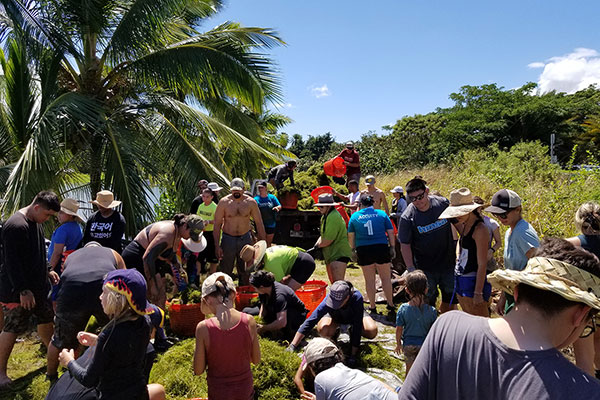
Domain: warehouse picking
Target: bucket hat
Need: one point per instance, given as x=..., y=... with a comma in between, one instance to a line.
x=195, y=246
x=559, y=277
x=461, y=203
x=214, y=186
x=132, y=284
x=106, y=199
x=326, y=199
x=70, y=206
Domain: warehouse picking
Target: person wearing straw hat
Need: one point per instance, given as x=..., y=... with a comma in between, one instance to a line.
x=290, y=265
x=153, y=250
x=66, y=238
x=334, y=238
x=227, y=343
x=471, y=286
x=334, y=380
x=520, y=240
x=517, y=356
x=117, y=365
x=107, y=225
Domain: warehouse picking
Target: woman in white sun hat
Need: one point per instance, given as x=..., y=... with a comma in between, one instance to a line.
x=471, y=286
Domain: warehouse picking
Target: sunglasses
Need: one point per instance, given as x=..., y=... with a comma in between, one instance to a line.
x=503, y=215
x=417, y=197
x=589, y=328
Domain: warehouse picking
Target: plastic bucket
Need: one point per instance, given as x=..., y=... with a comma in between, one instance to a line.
x=335, y=167
x=244, y=296
x=312, y=294
x=289, y=200
x=319, y=191
x=184, y=318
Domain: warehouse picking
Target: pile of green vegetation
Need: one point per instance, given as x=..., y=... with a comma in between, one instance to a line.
x=307, y=181
x=190, y=295
x=273, y=376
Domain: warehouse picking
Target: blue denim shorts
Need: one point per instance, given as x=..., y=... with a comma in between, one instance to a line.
x=465, y=286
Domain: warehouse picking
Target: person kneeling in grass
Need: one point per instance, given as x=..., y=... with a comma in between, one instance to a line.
x=335, y=381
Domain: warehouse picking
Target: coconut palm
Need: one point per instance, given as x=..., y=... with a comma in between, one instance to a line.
x=130, y=92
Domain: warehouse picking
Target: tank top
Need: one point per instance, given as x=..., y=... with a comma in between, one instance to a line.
x=467, y=261
x=228, y=361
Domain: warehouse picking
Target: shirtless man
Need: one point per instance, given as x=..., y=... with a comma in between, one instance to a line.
x=378, y=195
x=233, y=217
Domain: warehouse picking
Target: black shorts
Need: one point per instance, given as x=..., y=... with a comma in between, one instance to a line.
x=345, y=260
x=133, y=255
x=76, y=303
x=270, y=230
x=373, y=254
x=208, y=255
x=303, y=267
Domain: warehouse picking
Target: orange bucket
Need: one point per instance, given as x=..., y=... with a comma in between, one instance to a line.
x=335, y=167
x=319, y=191
x=183, y=318
x=312, y=294
x=244, y=296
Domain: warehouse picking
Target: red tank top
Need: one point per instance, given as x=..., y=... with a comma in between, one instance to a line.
x=228, y=361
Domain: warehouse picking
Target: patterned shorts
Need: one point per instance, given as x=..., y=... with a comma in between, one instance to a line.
x=410, y=353
x=16, y=318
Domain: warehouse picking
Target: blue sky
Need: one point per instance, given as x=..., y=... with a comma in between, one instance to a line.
x=350, y=67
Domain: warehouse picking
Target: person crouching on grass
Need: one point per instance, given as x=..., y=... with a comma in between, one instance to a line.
x=117, y=365
x=414, y=319
x=227, y=343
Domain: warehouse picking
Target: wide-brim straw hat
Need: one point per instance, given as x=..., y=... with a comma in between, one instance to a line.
x=559, y=277
x=326, y=199
x=106, y=199
x=71, y=206
x=461, y=203
x=253, y=254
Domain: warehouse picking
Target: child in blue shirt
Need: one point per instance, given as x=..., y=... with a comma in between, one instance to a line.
x=414, y=319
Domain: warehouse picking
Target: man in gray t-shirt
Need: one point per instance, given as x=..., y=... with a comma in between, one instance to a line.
x=426, y=241
x=517, y=356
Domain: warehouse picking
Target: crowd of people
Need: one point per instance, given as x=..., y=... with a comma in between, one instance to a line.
x=550, y=292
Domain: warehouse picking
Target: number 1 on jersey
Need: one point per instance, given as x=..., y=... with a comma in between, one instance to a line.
x=369, y=226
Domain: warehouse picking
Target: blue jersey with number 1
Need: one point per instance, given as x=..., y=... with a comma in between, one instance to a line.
x=369, y=227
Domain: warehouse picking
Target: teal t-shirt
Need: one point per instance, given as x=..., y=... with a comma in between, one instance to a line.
x=416, y=322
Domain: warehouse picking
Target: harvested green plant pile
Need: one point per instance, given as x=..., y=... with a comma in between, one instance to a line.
x=308, y=180
x=188, y=296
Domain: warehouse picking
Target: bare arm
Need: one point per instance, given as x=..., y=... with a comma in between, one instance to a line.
x=351, y=241
x=279, y=323
x=385, y=204
x=219, y=213
x=255, y=356
x=324, y=242
x=200, y=350
x=407, y=255
x=56, y=254
x=298, y=379
x=297, y=339
x=119, y=260
x=531, y=252
x=481, y=237
x=399, y=330
x=498, y=239
x=575, y=241
x=260, y=227
x=391, y=237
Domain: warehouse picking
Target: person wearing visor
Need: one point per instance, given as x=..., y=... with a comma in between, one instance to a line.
x=520, y=240
x=517, y=356
x=343, y=305
x=289, y=265
x=154, y=246
x=233, y=218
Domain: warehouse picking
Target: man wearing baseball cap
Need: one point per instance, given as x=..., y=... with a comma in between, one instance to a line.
x=352, y=163
x=517, y=356
x=377, y=194
x=343, y=305
x=520, y=240
x=232, y=217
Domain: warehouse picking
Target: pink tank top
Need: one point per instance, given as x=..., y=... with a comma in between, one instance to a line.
x=228, y=361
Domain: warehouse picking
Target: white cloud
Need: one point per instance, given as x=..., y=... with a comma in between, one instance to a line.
x=283, y=105
x=319, y=91
x=534, y=65
x=571, y=72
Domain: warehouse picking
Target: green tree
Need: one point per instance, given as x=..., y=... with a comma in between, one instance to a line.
x=130, y=94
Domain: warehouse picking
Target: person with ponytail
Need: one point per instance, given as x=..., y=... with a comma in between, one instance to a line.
x=154, y=248
x=116, y=368
x=227, y=343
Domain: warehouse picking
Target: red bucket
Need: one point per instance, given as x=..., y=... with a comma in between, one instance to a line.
x=289, y=200
x=319, y=191
x=335, y=167
x=244, y=296
x=312, y=294
x=184, y=318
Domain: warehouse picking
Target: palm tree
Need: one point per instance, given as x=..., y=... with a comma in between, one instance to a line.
x=130, y=93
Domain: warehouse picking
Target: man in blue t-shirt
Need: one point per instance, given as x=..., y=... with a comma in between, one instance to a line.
x=520, y=240
x=268, y=206
x=426, y=242
x=371, y=237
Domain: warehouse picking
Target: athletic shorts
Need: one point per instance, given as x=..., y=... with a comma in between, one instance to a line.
x=373, y=254
x=76, y=303
x=445, y=282
x=465, y=286
x=270, y=230
x=208, y=254
x=16, y=318
x=303, y=267
x=345, y=260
